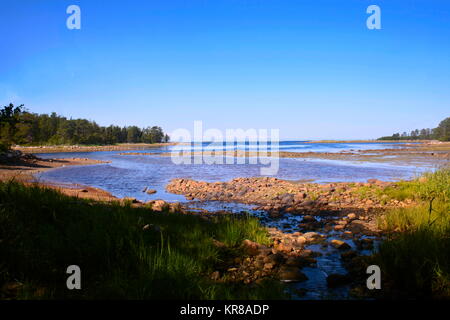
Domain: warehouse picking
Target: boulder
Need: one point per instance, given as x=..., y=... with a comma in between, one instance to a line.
x=308, y=219
x=351, y=216
x=339, y=244
x=158, y=205
x=251, y=248
x=311, y=235
x=291, y=274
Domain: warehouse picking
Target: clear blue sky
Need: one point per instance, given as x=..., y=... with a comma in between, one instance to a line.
x=310, y=68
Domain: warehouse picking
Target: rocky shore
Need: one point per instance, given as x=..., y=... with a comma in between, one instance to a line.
x=280, y=196
x=341, y=217
x=83, y=148
x=314, y=220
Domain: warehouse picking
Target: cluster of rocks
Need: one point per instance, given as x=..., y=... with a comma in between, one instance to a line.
x=260, y=262
x=277, y=196
x=285, y=258
x=11, y=156
x=155, y=205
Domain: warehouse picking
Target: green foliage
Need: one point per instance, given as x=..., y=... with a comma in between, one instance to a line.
x=442, y=132
x=42, y=232
x=430, y=185
x=22, y=127
x=234, y=230
x=417, y=260
x=9, y=118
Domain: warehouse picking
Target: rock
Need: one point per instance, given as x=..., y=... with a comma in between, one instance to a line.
x=215, y=275
x=364, y=244
x=337, y=280
x=311, y=235
x=284, y=247
x=175, y=207
x=268, y=266
x=129, y=200
x=309, y=203
x=339, y=244
x=150, y=191
x=306, y=253
x=288, y=273
x=308, y=219
x=357, y=226
x=251, y=248
x=351, y=216
x=299, y=241
x=276, y=258
x=300, y=196
x=159, y=205
x=295, y=261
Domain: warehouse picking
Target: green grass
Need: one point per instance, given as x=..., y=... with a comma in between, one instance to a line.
x=416, y=256
x=42, y=232
x=429, y=185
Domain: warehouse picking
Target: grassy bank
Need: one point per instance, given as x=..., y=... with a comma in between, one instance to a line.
x=415, y=258
x=123, y=252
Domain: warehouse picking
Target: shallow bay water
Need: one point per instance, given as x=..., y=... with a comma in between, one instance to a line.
x=128, y=175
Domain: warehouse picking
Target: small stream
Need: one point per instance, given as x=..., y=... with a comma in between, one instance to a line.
x=328, y=258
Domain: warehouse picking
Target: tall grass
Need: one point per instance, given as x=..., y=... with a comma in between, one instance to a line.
x=430, y=185
x=416, y=255
x=42, y=232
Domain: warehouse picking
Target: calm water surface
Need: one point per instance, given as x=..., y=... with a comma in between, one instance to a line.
x=127, y=175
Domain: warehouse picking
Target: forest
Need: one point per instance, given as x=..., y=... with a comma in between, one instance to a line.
x=441, y=132
x=20, y=127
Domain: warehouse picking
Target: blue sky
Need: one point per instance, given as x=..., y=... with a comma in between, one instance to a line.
x=309, y=68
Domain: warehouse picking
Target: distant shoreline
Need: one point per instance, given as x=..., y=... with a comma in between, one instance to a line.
x=370, y=141
x=82, y=148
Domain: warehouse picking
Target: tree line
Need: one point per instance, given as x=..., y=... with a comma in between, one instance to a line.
x=441, y=132
x=19, y=126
